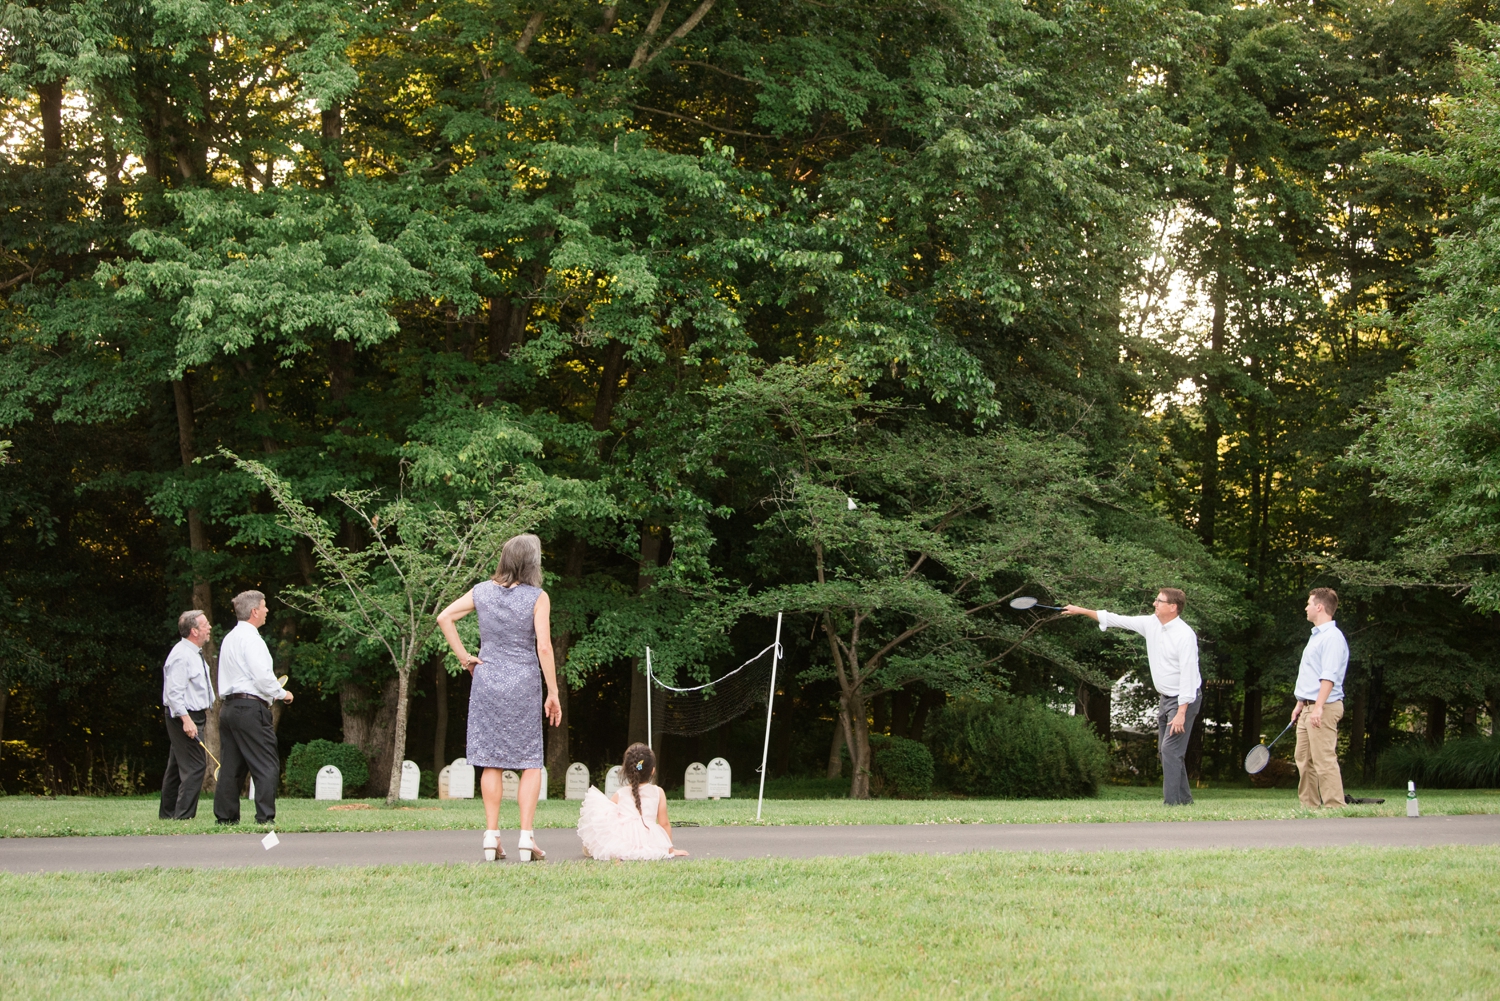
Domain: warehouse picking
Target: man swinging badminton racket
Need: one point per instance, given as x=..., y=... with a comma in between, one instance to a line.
x=1320, y=703
x=1172, y=649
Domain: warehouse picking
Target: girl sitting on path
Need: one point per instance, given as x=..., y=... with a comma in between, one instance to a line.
x=632, y=824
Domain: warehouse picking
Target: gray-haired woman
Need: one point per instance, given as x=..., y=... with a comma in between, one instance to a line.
x=505, y=703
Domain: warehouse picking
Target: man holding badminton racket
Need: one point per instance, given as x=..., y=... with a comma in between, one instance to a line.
x=1320, y=703
x=187, y=693
x=1172, y=650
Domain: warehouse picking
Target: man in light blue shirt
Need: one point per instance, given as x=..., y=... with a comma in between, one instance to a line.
x=187, y=695
x=1320, y=704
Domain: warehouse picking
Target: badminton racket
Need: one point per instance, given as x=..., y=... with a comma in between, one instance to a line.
x=1022, y=604
x=1260, y=754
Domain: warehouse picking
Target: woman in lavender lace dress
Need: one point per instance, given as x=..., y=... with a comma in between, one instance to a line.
x=505, y=704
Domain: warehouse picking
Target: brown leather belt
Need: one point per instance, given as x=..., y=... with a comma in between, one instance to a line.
x=247, y=695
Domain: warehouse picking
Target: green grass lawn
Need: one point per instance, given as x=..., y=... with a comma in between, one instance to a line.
x=26, y=816
x=1271, y=923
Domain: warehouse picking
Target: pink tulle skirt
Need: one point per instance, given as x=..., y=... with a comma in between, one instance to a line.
x=615, y=831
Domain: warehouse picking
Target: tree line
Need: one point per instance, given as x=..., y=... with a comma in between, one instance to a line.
x=876, y=315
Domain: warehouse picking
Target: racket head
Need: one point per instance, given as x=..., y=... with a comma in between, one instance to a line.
x=1257, y=759
x=1021, y=604
x=282, y=680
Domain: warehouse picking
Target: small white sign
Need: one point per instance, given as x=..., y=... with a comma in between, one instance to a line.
x=695, y=781
x=411, y=780
x=270, y=841
x=577, y=780
x=330, y=783
x=612, y=781
x=510, y=785
x=542, y=793
x=718, y=779
x=460, y=779
x=443, y=782
x=251, y=793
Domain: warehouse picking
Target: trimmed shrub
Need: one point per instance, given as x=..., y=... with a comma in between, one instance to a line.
x=900, y=768
x=1466, y=763
x=303, y=762
x=1016, y=748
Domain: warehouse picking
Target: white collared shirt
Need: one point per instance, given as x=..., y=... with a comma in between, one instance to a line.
x=1325, y=658
x=185, y=686
x=1172, y=650
x=245, y=665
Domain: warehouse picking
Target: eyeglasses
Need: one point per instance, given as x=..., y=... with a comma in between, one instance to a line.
x=1161, y=601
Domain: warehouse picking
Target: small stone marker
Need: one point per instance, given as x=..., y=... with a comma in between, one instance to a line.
x=542, y=794
x=411, y=780
x=460, y=779
x=612, y=781
x=251, y=794
x=510, y=785
x=330, y=783
x=695, y=781
x=577, y=780
x=718, y=779
x=443, y=782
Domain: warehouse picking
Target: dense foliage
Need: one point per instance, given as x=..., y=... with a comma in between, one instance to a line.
x=1017, y=748
x=304, y=761
x=873, y=315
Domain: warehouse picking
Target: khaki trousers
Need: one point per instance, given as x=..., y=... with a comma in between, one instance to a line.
x=1321, y=783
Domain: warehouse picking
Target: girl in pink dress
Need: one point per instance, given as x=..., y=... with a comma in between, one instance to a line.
x=632, y=824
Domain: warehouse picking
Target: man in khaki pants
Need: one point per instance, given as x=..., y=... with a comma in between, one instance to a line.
x=1320, y=690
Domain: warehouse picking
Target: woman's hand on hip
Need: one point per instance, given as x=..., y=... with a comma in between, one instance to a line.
x=469, y=661
x=552, y=708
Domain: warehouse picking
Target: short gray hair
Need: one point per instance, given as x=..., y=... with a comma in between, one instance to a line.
x=520, y=562
x=246, y=602
x=188, y=621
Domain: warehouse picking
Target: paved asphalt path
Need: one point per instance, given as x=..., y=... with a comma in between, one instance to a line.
x=205, y=851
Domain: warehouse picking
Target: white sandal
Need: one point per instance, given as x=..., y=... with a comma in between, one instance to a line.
x=493, y=852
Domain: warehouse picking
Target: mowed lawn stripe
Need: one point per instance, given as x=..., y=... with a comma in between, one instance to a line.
x=1360, y=923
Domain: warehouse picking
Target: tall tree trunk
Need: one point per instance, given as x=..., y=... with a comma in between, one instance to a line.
x=1093, y=705
x=1437, y=721
x=332, y=123
x=559, y=749
x=650, y=554
x=1253, y=721
x=931, y=699
x=440, y=731
x=182, y=397
x=858, y=721
x=836, y=750
x=1356, y=686
x=369, y=719
x=4, y=698
x=50, y=101
x=1208, y=505
x=398, y=735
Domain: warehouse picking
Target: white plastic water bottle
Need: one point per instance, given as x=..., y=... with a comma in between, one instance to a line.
x=1411, y=800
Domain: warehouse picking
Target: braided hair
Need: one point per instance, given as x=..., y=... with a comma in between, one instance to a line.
x=639, y=766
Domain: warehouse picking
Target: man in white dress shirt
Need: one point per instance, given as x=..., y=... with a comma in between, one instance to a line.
x=247, y=740
x=187, y=693
x=1320, y=692
x=1172, y=650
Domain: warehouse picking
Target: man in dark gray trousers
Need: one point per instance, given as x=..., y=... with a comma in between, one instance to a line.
x=247, y=740
x=187, y=694
x=1172, y=650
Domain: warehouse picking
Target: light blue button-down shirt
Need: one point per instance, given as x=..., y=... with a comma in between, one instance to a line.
x=1325, y=659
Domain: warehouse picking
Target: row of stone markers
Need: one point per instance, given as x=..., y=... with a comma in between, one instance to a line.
x=456, y=781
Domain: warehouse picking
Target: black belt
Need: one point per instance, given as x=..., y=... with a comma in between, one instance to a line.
x=247, y=695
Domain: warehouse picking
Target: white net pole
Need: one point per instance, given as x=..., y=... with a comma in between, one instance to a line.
x=765, y=751
x=649, y=693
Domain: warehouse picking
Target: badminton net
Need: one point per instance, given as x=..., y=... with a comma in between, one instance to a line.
x=689, y=711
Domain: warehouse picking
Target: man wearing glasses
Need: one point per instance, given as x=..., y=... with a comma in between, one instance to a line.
x=1172, y=650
